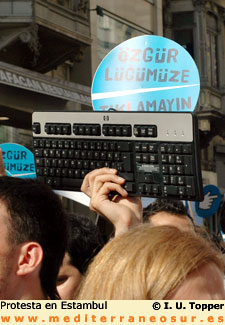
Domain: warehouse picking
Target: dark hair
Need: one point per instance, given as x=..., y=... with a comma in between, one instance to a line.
x=36, y=214
x=84, y=241
x=171, y=206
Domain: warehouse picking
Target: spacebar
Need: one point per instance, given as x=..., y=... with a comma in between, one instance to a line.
x=72, y=182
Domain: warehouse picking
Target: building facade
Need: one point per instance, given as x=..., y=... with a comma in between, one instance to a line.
x=113, y=22
x=199, y=26
x=43, y=44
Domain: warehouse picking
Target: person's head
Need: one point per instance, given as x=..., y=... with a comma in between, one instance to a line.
x=154, y=263
x=33, y=239
x=168, y=212
x=84, y=242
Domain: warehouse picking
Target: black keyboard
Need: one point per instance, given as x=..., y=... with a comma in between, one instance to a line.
x=157, y=153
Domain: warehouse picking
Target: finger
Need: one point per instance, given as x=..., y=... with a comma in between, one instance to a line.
x=2, y=167
x=99, y=172
x=112, y=187
x=213, y=196
x=88, y=181
x=100, y=180
x=107, y=187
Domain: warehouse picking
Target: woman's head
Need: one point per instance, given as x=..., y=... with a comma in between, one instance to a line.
x=150, y=263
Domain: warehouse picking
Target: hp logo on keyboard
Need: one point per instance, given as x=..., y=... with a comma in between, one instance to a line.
x=106, y=118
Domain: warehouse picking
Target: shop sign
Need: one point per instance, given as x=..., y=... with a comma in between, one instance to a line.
x=19, y=80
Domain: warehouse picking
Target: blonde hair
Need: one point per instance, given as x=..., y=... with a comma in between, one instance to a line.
x=146, y=263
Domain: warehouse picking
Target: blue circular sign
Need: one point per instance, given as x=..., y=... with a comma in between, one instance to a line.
x=146, y=73
x=18, y=161
x=210, y=203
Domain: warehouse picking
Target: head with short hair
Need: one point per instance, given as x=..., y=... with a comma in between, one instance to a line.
x=35, y=214
x=168, y=212
x=84, y=242
x=147, y=263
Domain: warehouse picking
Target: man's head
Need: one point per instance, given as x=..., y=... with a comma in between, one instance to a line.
x=33, y=239
x=84, y=242
x=168, y=212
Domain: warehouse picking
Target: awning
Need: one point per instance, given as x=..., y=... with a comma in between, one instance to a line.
x=26, y=79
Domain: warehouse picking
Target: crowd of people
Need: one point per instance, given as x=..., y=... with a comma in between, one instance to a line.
x=155, y=253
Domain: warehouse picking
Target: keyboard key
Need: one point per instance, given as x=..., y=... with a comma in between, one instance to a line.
x=96, y=130
x=164, y=159
x=179, y=159
x=166, y=179
x=81, y=130
x=49, y=181
x=66, y=129
x=126, y=130
x=36, y=127
x=173, y=180
x=170, y=148
x=127, y=176
x=148, y=178
x=181, y=190
x=157, y=178
x=180, y=170
x=129, y=186
x=87, y=130
x=138, y=147
x=73, y=163
x=77, y=173
x=66, y=163
x=177, y=148
x=38, y=152
x=144, y=147
x=156, y=189
x=170, y=190
x=153, y=159
x=165, y=169
x=188, y=165
x=48, y=162
x=171, y=159
x=152, y=148
x=145, y=158
x=64, y=172
x=36, y=143
x=56, y=182
x=152, y=131
x=118, y=130
x=141, y=188
x=70, y=173
x=148, y=188
x=163, y=148
x=60, y=163
x=58, y=172
x=172, y=169
x=111, y=131
x=71, y=182
x=59, y=129
x=123, y=146
x=181, y=180
x=39, y=171
x=186, y=148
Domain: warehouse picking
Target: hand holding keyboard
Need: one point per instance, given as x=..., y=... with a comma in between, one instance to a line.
x=157, y=153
